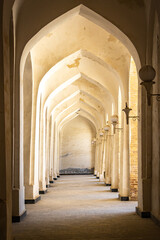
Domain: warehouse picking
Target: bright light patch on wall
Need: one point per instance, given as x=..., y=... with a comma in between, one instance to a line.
x=119, y=106
x=65, y=100
x=133, y=134
x=112, y=109
x=106, y=117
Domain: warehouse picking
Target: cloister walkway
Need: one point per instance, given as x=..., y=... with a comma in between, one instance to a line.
x=82, y=208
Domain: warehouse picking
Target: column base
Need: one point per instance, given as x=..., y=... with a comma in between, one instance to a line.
x=50, y=177
x=32, y=201
x=155, y=220
x=19, y=218
x=94, y=175
x=124, y=198
x=97, y=177
x=58, y=176
x=51, y=181
x=31, y=191
x=43, y=191
x=114, y=190
x=54, y=178
x=108, y=184
x=143, y=214
x=101, y=178
x=47, y=186
x=54, y=175
x=18, y=205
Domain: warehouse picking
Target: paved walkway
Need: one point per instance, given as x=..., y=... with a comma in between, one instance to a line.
x=81, y=208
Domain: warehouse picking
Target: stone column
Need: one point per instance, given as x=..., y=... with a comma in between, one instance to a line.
x=104, y=155
x=108, y=160
x=98, y=157
x=95, y=162
x=145, y=164
x=145, y=145
x=147, y=74
x=42, y=168
x=102, y=158
x=121, y=163
x=47, y=152
x=55, y=152
x=115, y=165
x=30, y=173
x=5, y=129
x=58, y=149
x=18, y=206
x=51, y=151
x=125, y=184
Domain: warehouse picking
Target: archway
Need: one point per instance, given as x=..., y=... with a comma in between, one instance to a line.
x=125, y=97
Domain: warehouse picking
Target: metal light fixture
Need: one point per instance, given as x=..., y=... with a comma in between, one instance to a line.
x=101, y=133
x=147, y=73
x=106, y=127
x=127, y=111
x=114, y=121
x=93, y=141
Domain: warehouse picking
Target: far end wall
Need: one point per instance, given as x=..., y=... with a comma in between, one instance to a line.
x=77, y=154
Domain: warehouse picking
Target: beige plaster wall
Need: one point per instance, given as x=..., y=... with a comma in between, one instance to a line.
x=27, y=91
x=76, y=150
x=133, y=131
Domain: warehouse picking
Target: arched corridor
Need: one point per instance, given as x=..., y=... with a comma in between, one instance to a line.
x=81, y=207
x=88, y=81
x=79, y=96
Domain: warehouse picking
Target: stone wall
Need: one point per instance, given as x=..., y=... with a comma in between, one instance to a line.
x=76, y=150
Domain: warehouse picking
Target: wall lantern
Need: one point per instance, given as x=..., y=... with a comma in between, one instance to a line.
x=127, y=111
x=147, y=73
x=106, y=128
x=93, y=141
x=114, y=121
x=101, y=133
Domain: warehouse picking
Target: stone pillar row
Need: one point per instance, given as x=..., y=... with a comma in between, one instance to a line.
x=112, y=161
x=43, y=168
x=40, y=170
